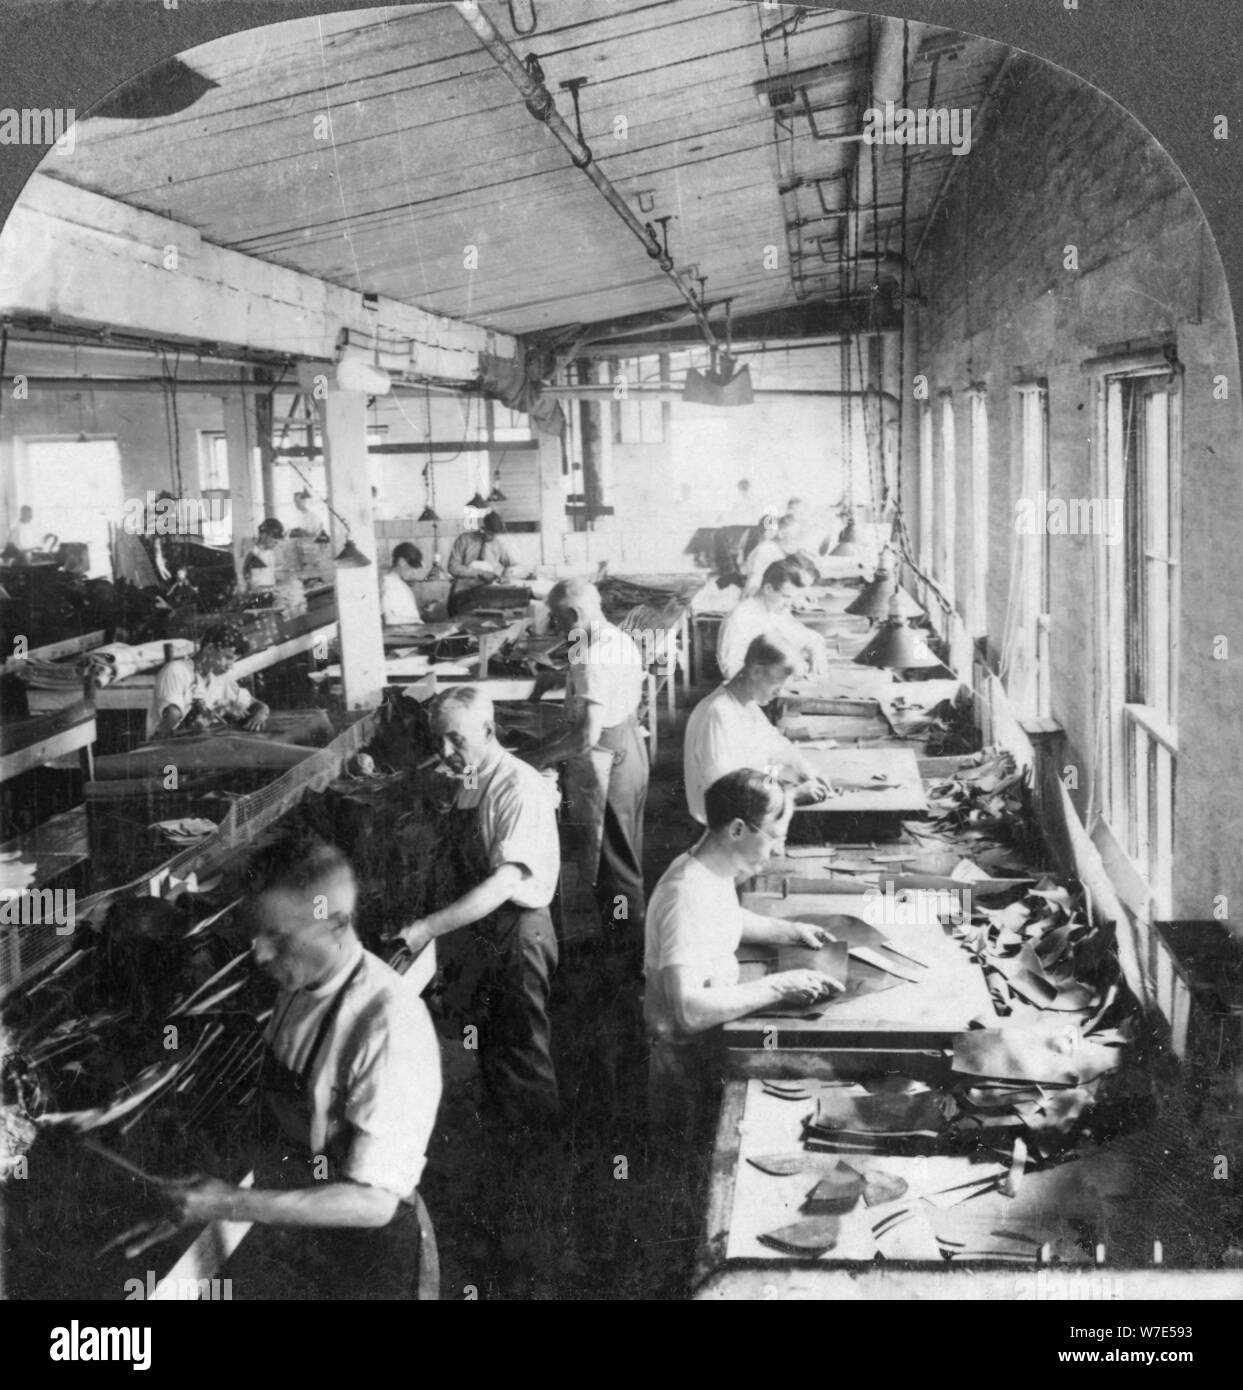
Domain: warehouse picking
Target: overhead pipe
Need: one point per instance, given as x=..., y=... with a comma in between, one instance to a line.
x=539, y=102
x=674, y=393
x=886, y=85
x=207, y=386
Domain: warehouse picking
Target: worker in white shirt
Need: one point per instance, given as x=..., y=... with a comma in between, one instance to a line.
x=203, y=681
x=349, y=1090
x=398, y=605
x=769, y=552
x=259, y=567
x=23, y=534
x=606, y=765
x=308, y=521
x=809, y=536
x=728, y=730
x=770, y=611
x=695, y=925
x=507, y=958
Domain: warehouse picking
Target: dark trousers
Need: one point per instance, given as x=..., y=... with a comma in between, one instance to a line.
x=332, y=1264
x=621, y=848
x=504, y=975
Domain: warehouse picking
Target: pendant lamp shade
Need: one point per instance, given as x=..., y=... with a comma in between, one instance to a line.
x=351, y=558
x=898, y=647
x=848, y=543
x=876, y=597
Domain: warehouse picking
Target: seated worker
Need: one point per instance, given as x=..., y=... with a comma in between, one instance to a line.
x=728, y=730
x=768, y=553
x=606, y=762
x=479, y=557
x=508, y=955
x=695, y=924
x=809, y=536
x=259, y=567
x=349, y=1089
x=204, y=678
x=398, y=604
x=23, y=534
x=769, y=611
x=307, y=522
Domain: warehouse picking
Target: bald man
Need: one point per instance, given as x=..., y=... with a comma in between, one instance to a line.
x=605, y=759
x=509, y=953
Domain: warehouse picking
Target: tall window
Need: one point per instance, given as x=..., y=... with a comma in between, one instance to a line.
x=1141, y=420
x=947, y=500
x=925, y=487
x=1025, y=657
x=978, y=613
x=637, y=420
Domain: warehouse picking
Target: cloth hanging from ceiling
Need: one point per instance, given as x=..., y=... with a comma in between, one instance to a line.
x=515, y=382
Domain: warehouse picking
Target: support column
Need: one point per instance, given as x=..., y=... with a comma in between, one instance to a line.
x=239, y=438
x=343, y=418
x=552, y=518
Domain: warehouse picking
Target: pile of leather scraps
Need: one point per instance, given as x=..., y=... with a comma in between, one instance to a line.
x=1043, y=1074
x=985, y=795
x=1040, y=952
x=618, y=597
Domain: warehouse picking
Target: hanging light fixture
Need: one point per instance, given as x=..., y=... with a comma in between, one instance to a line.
x=351, y=558
x=876, y=597
x=897, y=646
x=429, y=477
x=848, y=543
x=479, y=502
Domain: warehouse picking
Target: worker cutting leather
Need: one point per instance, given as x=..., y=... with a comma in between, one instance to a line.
x=478, y=558
x=606, y=766
x=197, y=693
x=728, y=730
x=349, y=1090
x=695, y=924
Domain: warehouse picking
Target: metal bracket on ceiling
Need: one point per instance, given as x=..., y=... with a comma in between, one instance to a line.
x=513, y=19
x=828, y=136
x=572, y=85
x=657, y=248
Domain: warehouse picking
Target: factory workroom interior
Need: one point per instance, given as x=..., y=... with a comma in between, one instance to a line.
x=616, y=681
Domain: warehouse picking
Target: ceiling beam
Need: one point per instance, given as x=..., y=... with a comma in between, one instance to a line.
x=621, y=338
x=80, y=258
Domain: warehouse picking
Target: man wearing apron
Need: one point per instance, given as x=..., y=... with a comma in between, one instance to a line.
x=349, y=1088
x=504, y=961
x=606, y=767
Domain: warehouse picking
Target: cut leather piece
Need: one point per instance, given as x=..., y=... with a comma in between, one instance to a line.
x=814, y=1236
x=836, y=1193
x=923, y=1112
x=832, y=960
x=783, y=1165
x=786, y=1092
x=879, y=1186
x=865, y=979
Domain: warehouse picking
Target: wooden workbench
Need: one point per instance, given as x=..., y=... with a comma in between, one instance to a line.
x=863, y=810
x=39, y=739
x=909, y=1017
